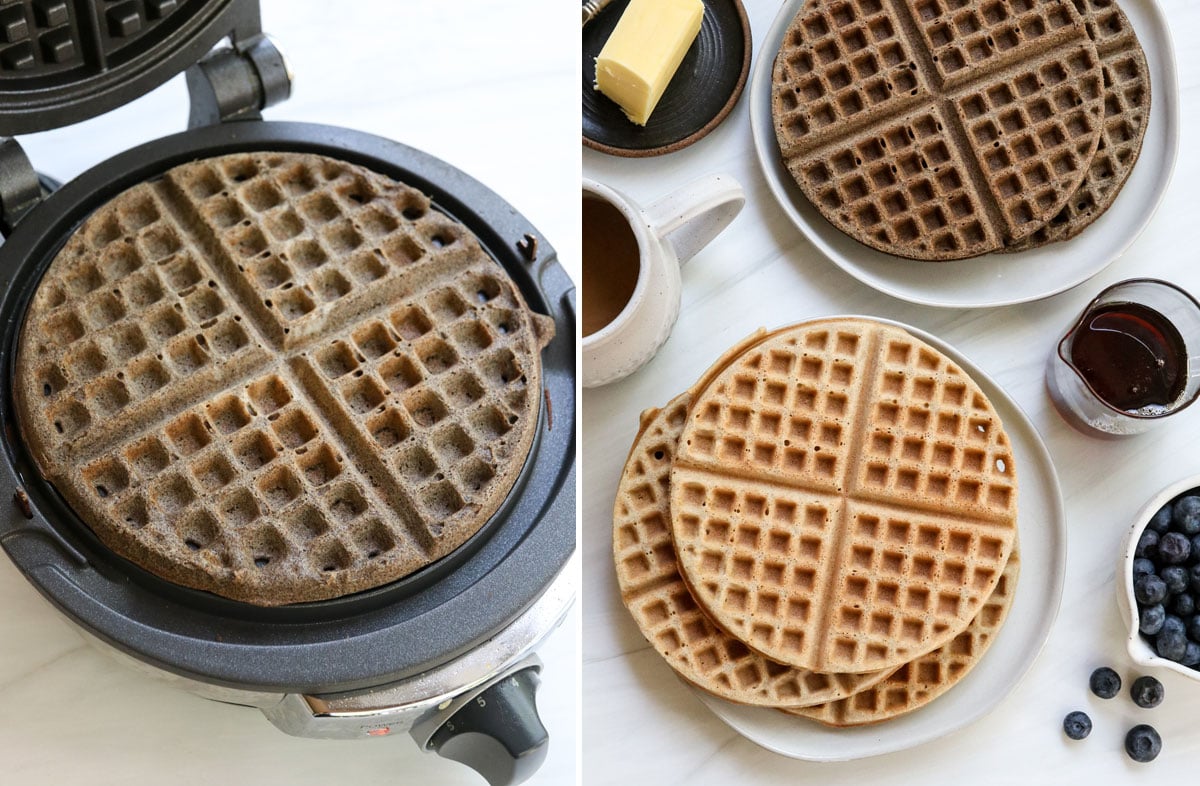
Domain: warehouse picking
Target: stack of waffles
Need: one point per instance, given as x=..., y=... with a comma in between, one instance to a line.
x=825, y=523
x=947, y=129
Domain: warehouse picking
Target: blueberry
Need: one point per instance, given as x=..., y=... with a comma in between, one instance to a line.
x=1191, y=654
x=1194, y=574
x=1183, y=605
x=1161, y=521
x=1193, y=628
x=1195, y=546
x=1170, y=644
x=1174, y=624
x=1186, y=516
x=1149, y=590
x=1147, y=545
x=1151, y=618
x=1077, y=725
x=1142, y=743
x=1173, y=548
x=1105, y=682
x=1147, y=692
x=1143, y=567
x=1176, y=578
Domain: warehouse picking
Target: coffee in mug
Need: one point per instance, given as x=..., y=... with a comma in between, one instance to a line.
x=610, y=263
x=631, y=260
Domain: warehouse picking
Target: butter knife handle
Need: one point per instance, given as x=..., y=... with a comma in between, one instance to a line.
x=591, y=8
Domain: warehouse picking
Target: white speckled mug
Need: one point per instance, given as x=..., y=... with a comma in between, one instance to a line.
x=668, y=233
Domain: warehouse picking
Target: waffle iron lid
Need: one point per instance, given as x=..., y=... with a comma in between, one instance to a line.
x=64, y=61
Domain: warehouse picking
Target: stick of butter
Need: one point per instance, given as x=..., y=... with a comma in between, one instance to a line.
x=645, y=49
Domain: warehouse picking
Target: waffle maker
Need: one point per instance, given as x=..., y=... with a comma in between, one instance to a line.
x=446, y=654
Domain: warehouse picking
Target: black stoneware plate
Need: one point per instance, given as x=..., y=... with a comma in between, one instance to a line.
x=705, y=88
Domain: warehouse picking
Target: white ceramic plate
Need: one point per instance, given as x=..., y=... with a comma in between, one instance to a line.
x=995, y=279
x=1043, y=545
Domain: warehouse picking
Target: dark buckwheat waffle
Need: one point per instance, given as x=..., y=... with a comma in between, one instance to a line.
x=937, y=129
x=278, y=377
x=843, y=498
x=1126, y=115
x=661, y=604
x=916, y=684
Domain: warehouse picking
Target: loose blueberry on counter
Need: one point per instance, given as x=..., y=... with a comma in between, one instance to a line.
x=1161, y=521
x=1105, y=682
x=1147, y=692
x=1191, y=655
x=1173, y=548
x=1142, y=743
x=1176, y=578
x=1077, y=725
x=1147, y=545
x=1144, y=567
x=1186, y=515
x=1151, y=619
x=1149, y=589
x=1170, y=644
x=1183, y=605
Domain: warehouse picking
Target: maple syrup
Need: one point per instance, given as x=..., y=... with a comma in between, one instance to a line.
x=1132, y=357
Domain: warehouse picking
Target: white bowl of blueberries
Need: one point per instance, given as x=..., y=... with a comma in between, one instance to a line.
x=1160, y=594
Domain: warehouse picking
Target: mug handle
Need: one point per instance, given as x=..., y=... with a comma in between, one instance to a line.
x=691, y=216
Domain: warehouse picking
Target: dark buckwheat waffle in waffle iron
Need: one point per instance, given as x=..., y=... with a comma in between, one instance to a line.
x=291, y=407
x=278, y=377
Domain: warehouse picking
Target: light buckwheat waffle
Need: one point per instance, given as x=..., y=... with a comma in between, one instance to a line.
x=278, y=377
x=919, y=682
x=1126, y=115
x=661, y=604
x=937, y=129
x=844, y=497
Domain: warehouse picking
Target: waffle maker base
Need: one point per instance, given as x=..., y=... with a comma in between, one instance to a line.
x=435, y=617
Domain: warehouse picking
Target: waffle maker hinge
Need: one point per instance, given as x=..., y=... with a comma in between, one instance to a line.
x=20, y=186
x=237, y=82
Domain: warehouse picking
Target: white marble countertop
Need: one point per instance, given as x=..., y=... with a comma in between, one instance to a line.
x=643, y=726
x=398, y=70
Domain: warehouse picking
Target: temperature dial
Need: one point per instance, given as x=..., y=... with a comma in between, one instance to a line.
x=498, y=733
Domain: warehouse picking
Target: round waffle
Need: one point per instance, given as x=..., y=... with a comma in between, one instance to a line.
x=919, y=682
x=937, y=129
x=278, y=377
x=1126, y=114
x=843, y=498
x=661, y=604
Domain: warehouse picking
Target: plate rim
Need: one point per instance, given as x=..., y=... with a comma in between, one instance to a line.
x=766, y=151
x=1056, y=522
x=716, y=120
